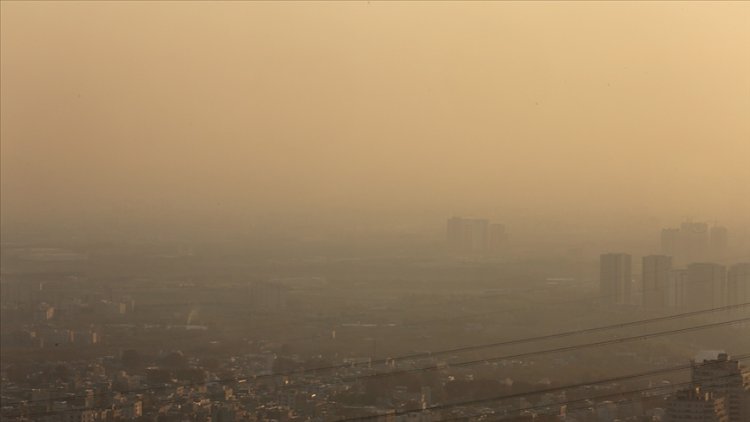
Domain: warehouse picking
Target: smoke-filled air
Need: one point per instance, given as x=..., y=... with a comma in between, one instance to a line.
x=398, y=211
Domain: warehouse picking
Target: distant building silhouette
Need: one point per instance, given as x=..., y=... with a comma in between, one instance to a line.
x=615, y=278
x=497, y=237
x=696, y=405
x=657, y=277
x=738, y=283
x=706, y=285
x=695, y=242
x=670, y=241
x=676, y=287
x=719, y=242
x=474, y=235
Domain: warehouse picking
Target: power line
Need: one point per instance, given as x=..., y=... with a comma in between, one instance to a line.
x=424, y=321
x=497, y=344
x=453, y=319
x=507, y=343
x=573, y=332
x=536, y=392
x=600, y=397
x=436, y=367
x=479, y=347
x=417, y=323
x=555, y=350
x=476, y=401
x=591, y=299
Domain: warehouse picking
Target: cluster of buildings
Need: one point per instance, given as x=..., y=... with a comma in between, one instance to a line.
x=687, y=274
x=719, y=392
x=103, y=390
x=51, y=315
x=474, y=235
x=663, y=285
x=25, y=301
x=44, y=336
x=695, y=241
x=100, y=390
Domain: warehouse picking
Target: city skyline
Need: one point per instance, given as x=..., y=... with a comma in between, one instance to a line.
x=386, y=211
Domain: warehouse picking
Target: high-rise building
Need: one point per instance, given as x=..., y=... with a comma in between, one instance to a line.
x=497, y=236
x=676, y=286
x=657, y=272
x=468, y=234
x=725, y=377
x=695, y=405
x=670, y=240
x=738, y=283
x=694, y=239
x=615, y=278
x=477, y=234
x=719, y=242
x=706, y=285
x=693, y=242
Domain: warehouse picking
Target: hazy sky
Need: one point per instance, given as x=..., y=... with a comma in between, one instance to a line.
x=234, y=112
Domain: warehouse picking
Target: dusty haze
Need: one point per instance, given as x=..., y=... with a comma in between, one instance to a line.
x=232, y=115
x=374, y=211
